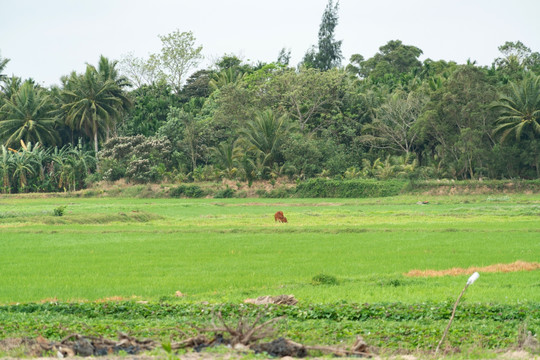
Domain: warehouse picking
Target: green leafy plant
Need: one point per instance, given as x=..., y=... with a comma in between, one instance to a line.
x=190, y=191
x=59, y=211
x=224, y=193
x=323, y=279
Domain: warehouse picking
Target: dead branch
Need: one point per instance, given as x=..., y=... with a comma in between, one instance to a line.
x=191, y=342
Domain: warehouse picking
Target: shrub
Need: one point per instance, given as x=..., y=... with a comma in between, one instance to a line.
x=323, y=279
x=349, y=188
x=224, y=193
x=59, y=211
x=141, y=171
x=190, y=191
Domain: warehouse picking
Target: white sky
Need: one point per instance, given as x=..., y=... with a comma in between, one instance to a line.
x=46, y=39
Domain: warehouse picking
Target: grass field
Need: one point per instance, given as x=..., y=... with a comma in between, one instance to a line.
x=228, y=249
x=222, y=251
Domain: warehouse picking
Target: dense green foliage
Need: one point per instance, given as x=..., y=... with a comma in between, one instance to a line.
x=38, y=169
x=386, y=116
x=348, y=188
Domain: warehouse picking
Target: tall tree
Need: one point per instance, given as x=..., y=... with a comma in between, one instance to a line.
x=10, y=86
x=91, y=103
x=327, y=54
x=284, y=57
x=179, y=54
x=28, y=115
x=139, y=71
x=394, y=58
x=520, y=109
x=457, y=123
x=519, y=113
x=151, y=105
x=187, y=133
x=3, y=64
x=393, y=128
x=310, y=96
x=107, y=72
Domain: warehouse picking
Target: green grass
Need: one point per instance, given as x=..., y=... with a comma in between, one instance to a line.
x=222, y=251
x=229, y=249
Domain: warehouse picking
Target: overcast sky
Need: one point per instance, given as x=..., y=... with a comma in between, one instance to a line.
x=46, y=39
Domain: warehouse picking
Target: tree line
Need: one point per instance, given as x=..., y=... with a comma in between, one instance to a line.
x=387, y=116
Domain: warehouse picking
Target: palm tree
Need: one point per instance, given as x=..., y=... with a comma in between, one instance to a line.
x=91, y=103
x=225, y=77
x=227, y=154
x=107, y=71
x=10, y=86
x=3, y=63
x=520, y=109
x=520, y=114
x=28, y=115
x=266, y=134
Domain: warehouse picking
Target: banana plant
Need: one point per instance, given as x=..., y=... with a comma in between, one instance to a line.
x=6, y=167
x=22, y=168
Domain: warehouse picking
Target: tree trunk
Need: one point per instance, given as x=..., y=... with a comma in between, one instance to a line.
x=96, y=149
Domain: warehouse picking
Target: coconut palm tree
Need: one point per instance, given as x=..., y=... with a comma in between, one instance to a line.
x=107, y=71
x=225, y=77
x=520, y=114
x=91, y=103
x=520, y=109
x=266, y=134
x=3, y=64
x=28, y=115
x=10, y=86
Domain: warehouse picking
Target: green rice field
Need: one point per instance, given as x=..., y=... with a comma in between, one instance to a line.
x=116, y=264
x=221, y=250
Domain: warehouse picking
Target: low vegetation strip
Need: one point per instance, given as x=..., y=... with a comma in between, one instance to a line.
x=96, y=218
x=394, y=326
x=495, y=268
x=358, y=188
x=125, y=310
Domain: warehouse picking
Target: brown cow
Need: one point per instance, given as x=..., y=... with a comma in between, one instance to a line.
x=280, y=217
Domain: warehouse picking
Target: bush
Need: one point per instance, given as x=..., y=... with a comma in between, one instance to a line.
x=349, y=188
x=59, y=211
x=224, y=193
x=323, y=279
x=190, y=191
